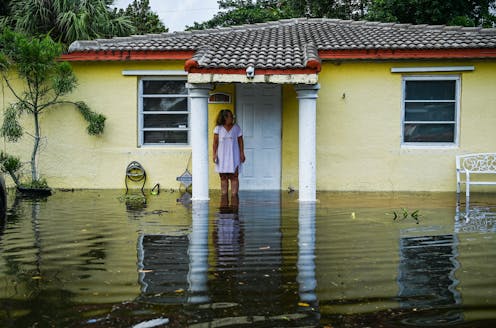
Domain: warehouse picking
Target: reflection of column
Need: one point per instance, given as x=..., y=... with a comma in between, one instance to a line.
x=307, y=102
x=306, y=253
x=198, y=254
x=198, y=94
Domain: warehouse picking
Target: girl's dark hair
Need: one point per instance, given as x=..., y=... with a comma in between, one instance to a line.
x=221, y=117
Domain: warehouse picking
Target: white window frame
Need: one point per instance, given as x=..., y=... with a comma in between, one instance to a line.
x=141, y=112
x=457, y=80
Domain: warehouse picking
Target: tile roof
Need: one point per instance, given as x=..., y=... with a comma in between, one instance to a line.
x=294, y=43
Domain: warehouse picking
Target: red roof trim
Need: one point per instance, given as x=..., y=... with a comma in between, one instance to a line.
x=242, y=71
x=313, y=66
x=190, y=64
x=126, y=55
x=407, y=53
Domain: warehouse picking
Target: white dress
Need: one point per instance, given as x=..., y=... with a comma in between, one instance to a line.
x=228, y=150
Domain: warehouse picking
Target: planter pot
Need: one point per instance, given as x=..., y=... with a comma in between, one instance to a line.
x=34, y=192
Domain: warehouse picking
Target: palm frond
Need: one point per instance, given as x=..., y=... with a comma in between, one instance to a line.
x=74, y=20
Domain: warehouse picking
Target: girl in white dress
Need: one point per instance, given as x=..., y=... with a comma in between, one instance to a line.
x=228, y=151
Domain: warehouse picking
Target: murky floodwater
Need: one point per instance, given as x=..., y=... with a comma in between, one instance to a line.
x=90, y=259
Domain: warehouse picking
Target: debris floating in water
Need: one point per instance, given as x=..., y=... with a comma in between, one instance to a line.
x=404, y=213
x=152, y=323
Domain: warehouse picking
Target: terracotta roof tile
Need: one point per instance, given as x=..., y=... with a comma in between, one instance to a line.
x=293, y=43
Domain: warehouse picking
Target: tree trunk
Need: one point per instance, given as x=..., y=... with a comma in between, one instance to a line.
x=14, y=177
x=34, y=155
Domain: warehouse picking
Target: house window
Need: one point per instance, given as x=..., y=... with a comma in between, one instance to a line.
x=219, y=98
x=430, y=110
x=163, y=112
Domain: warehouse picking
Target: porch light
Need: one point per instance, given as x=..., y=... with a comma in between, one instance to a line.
x=250, y=72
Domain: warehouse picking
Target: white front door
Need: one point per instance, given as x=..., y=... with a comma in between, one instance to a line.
x=258, y=112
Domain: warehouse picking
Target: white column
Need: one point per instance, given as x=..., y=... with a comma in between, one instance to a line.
x=198, y=94
x=307, y=101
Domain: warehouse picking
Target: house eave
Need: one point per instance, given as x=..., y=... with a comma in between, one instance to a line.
x=391, y=54
x=295, y=78
x=312, y=68
x=127, y=55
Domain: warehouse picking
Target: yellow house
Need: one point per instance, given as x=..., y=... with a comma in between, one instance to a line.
x=324, y=104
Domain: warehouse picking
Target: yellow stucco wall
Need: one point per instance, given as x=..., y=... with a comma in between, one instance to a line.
x=71, y=158
x=289, y=158
x=359, y=128
x=358, y=131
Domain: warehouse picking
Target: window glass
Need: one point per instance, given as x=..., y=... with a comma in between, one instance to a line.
x=177, y=104
x=219, y=98
x=165, y=137
x=166, y=121
x=430, y=90
x=424, y=111
x=430, y=110
x=429, y=132
x=164, y=112
x=153, y=87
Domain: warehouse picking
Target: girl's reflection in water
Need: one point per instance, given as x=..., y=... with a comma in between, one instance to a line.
x=227, y=234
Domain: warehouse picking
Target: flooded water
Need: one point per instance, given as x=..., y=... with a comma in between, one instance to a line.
x=96, y=259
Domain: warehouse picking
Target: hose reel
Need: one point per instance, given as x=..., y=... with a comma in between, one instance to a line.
x=135, y=173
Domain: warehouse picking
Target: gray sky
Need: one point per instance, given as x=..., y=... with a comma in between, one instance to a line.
x=176, y=14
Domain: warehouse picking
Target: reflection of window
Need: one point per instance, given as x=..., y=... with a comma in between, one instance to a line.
x=219, y=98
x=430, y=109
x=163, y=112
x=163, y=266
x=427, y=280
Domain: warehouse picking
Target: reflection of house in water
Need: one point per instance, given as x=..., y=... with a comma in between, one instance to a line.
x=163, y=264
x=173, y=268
x=427, y=279
x=247, y=274
x=248, y=255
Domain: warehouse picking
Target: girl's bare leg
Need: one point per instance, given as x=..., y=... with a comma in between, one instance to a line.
x=234, y=183
x=224, y=185
x=224, y=201
x=235, y=202
x=234, y=186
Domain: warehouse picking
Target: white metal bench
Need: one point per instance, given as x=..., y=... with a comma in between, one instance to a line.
x=470, y=165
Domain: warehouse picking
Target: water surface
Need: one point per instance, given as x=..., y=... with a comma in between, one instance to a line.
x=91, y=259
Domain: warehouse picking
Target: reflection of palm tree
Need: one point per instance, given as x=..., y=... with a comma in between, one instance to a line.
x=3, y=205
x=11, y=216
x=3, y=198
x=12, y=262
x=2, y=226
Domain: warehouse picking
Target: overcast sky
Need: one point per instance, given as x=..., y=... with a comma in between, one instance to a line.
x=176, y=14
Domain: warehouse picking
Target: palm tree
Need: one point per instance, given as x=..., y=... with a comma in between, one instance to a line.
x=4, y=8
x=68, y=20
x=4, y=13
